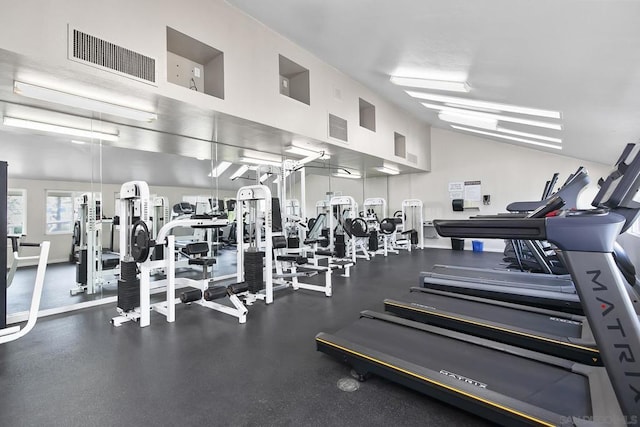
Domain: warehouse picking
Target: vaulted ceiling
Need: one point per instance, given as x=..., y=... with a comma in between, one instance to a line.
x=581, y=58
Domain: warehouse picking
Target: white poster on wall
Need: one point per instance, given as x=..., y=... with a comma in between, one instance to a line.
x=472, y=191
x=456, y=190
x=472, y=194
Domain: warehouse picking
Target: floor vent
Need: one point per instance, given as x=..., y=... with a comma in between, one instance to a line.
x=338, y=128
x=412, y=158
x=99, y=53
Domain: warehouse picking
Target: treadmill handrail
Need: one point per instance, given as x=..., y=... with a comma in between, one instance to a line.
x=569, y=192
x=492, y=228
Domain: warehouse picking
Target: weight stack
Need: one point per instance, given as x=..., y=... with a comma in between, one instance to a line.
x=253, y=271
x=324, y=233
x=340, y=247
x=414, y=237
x=373, y=241
x=81, y=267
x=293, y=242
x=128, y=286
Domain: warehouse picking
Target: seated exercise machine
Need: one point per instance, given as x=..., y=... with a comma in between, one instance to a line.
x=291, y=267
x=381, y=231
x=12, y=333
x=137, y=246
x=508, y=384
x=412, y=229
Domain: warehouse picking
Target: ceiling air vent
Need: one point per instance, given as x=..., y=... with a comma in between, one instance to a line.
x=338, y=128
x=412, y=158
x=108, y=56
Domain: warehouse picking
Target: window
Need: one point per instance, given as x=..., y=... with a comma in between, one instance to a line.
x=59, y=208
x=17, y=211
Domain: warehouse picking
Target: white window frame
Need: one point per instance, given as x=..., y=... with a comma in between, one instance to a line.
x=23, y=193
x=60, y=193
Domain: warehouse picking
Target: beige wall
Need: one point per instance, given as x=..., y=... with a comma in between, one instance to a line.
x=508, y=173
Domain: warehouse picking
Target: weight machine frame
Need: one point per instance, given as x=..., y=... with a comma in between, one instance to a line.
x=254, y=194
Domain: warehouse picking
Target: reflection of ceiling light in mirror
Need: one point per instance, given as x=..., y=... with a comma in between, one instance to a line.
x=238, y=173
x=479, y=122
x=48, y=127
x=500, y=117
x=64, y=98
x=450, y=86
x=511, y=138
x=75, y=141
x=306, y=152
x=219, y=170
x=485, y=104
x=256, y=161
x=387, y=170
x=342, y=174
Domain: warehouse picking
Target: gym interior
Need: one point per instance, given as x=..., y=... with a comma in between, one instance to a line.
x=344, y=213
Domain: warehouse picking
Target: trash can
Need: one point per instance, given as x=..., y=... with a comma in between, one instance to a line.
x=478, y=246
x=457, y=244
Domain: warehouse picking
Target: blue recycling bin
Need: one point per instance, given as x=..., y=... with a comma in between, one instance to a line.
x=477, y=245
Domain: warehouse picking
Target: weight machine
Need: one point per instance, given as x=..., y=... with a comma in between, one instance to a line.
x=380, y=229
x=91, y=259
x=134, y=302
x=340, y=243
x=412, y=225
x=256, y=203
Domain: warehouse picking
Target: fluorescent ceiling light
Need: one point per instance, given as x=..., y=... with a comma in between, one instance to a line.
x=238, y=173
x=431, y=84
x=48, y=127
x=512, y=138
x=306, y=152
x=260, y=161
x=75, y=141
x=264, y=177
x=458, y=111
x=219, y=170
x=529, y=135
x=387, y=170
x=64, y=98
x=352, y=175
x=468, y=120
x=485, y=104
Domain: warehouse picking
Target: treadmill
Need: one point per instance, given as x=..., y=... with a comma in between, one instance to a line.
x=546, y=291
x=509, y=384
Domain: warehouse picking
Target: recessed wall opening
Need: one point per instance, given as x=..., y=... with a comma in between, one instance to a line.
x=367, y=115
x=338, y=128
x=294, y=80
x=400, y=145
x=194, y=65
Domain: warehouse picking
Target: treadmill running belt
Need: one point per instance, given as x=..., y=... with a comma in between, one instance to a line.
x=542, y=331
x=496, y=313
x=503, y=277
x=551, y=388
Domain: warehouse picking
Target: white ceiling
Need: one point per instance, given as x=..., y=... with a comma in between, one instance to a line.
x=581, y=58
